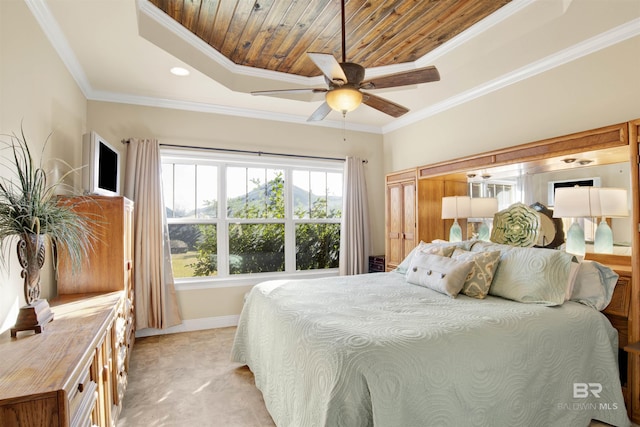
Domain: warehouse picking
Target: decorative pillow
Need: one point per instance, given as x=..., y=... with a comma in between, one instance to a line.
x=573, y=273
x=518, y=225
x=594, y=285
x=480, y=277
x=442, y=249
x=532, y=275
x=482, y=246
x=441, y=274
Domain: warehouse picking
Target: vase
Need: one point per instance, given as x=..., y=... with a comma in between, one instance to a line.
x=31, y=255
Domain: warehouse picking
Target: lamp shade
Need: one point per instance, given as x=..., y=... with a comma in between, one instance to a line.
x=613, y=202
x=576, y=202
x=344, y=99
x=483, y=207
x=454, y=207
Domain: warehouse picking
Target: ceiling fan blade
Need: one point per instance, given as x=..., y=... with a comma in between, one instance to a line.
x=384, y=105
x=284, y=91
x=329, y=66
x=420, y=75
x=320, y=113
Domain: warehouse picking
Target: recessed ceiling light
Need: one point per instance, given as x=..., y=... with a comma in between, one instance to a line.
x=179, y=71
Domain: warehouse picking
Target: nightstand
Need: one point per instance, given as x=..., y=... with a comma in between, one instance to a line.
x=376, y=264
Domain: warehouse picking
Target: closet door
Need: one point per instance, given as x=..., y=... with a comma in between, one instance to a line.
x=401, y=232
x=409, y=231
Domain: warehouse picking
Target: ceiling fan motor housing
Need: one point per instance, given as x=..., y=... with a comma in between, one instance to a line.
x=353, y=72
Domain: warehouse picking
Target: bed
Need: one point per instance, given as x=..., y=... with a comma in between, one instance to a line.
x=378, y=350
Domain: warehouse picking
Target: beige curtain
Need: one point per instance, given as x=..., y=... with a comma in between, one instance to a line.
x=155, y=298
x=354, y=231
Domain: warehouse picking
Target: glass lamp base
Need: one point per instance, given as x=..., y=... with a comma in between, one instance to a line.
x=604, y=238
x=483, y=232
x=575, y=240
x=455, y=232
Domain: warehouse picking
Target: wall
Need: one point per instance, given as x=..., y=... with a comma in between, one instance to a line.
x=596, y=90
x=37, y=92
x=117, y=121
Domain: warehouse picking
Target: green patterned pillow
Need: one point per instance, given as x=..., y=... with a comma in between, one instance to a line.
x=481, y=275
x=532, y=275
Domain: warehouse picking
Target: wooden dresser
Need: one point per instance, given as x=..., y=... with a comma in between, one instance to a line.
x=75, y=372
x=68, y=375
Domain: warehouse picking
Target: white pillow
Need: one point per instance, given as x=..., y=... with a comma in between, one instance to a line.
x=441, y=274
x=442, y=249
x=594, y=285
x=532, y=275
x=573, y=274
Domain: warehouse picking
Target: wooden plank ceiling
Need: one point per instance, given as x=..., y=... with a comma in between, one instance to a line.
x=276, y=34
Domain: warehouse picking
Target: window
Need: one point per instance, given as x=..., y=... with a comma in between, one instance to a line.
x=235, y=215
x=504, y=191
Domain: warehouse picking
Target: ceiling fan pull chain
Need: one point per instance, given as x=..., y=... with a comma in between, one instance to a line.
x=344, y=126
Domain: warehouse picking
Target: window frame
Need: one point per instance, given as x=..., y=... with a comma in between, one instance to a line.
x=222, y=161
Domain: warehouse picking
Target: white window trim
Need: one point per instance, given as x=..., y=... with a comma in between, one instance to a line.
x=242, y=280
x=223, y=160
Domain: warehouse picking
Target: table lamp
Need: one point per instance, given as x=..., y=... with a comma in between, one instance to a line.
x=613, y=204
x=454, y=207
x=483, y=207
x=576, y=202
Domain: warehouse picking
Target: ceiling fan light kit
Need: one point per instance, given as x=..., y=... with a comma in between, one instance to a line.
x=345, y=84
x=344, y=99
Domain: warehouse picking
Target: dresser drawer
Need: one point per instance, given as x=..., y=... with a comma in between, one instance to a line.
x=82, y=398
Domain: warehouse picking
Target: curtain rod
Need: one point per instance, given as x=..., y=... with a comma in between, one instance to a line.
x=259, y=153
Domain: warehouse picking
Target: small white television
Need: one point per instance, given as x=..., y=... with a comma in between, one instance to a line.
x=101, y=166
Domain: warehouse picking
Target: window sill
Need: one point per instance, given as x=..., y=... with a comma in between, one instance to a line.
x=247, y=279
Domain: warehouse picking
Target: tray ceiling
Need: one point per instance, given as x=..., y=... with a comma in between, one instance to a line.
x=275, y=35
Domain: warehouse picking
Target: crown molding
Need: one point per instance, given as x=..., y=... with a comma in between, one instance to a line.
x=594, y=44
x=202, y=107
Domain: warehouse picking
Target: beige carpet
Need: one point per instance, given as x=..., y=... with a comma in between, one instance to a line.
x=186, y=379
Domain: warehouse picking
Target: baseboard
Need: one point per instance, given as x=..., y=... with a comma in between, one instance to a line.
x=192, y=325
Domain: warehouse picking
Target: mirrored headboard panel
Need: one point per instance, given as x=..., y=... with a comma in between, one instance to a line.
x=523, y=173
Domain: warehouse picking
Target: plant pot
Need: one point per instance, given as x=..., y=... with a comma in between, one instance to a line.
x=36, y=314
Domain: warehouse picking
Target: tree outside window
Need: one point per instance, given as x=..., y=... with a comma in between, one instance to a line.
x=260, y=208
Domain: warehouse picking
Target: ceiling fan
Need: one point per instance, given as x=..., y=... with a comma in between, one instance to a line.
x=345, y=82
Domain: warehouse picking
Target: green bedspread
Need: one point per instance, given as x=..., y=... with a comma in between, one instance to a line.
x=374, y=350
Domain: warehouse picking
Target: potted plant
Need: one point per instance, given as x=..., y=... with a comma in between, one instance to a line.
x=30, y=210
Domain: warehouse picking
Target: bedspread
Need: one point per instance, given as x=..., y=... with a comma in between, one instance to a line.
x=374, y=350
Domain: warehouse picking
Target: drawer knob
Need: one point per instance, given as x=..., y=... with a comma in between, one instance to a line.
x=80, y=387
